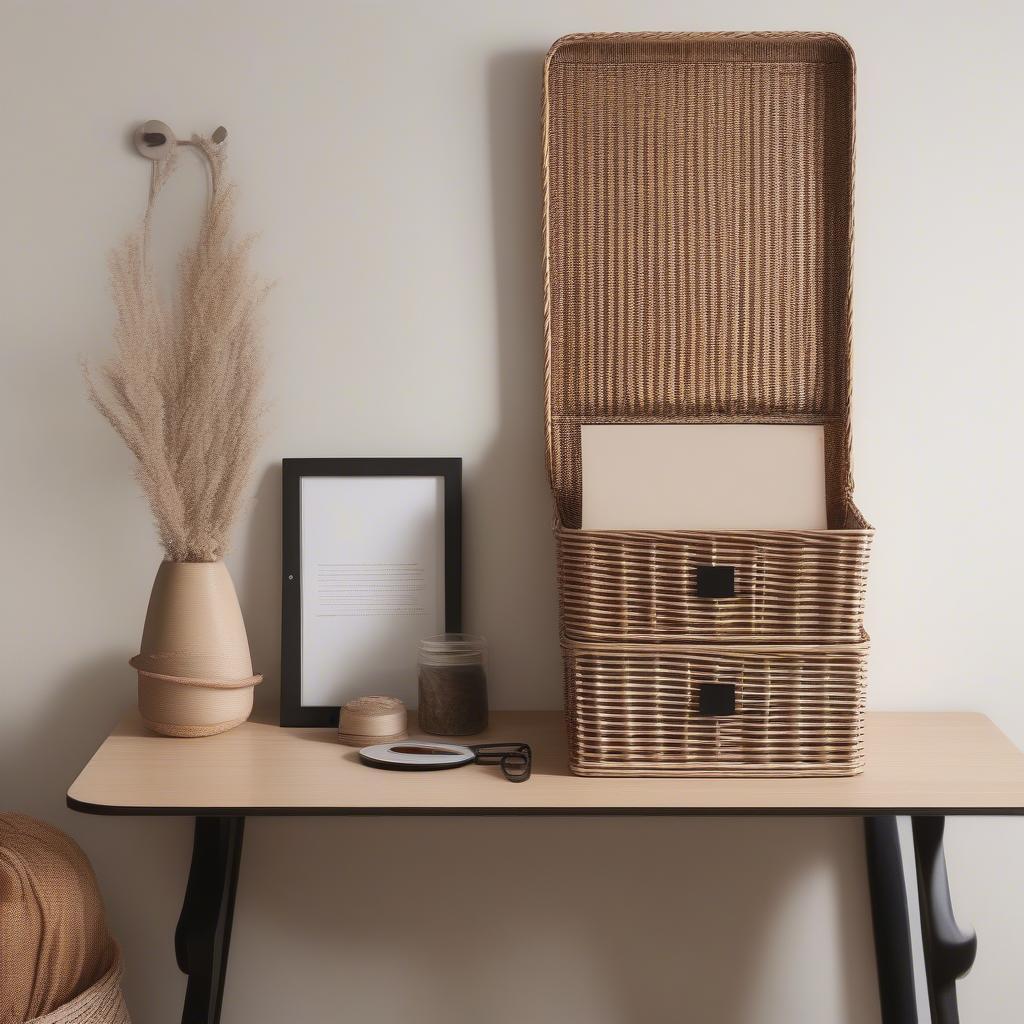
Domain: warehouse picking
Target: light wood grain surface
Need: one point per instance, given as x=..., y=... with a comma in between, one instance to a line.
x=948, y=762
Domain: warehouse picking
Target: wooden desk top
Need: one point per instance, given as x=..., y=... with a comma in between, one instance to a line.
x=917, y=763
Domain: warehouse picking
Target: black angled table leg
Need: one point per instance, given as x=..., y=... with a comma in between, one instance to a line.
x=204, y=928
x=948, y=951
x=891, y=921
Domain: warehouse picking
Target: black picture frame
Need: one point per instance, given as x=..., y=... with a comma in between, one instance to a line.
x=292, y=711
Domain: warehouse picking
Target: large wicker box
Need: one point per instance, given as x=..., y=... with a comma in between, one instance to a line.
x=635, y=709
x=697, y=249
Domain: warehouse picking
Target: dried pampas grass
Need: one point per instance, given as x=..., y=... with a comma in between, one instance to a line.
x=183, y=389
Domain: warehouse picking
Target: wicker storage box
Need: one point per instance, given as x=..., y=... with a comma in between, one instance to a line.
x=789, y=586
x=698, y=226
x=642, y=709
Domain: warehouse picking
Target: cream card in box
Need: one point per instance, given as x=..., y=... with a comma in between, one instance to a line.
x=745, y=476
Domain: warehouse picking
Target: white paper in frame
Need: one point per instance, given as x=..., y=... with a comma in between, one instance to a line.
x=742, y=476
x=373, y=572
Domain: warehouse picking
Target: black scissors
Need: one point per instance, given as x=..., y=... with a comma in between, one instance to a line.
x=514, y=759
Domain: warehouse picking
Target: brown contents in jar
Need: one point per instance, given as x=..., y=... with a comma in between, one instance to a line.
x=453, y=699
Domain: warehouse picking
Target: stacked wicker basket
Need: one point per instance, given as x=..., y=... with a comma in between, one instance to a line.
x=697, y=208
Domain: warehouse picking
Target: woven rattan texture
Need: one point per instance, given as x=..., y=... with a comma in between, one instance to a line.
x=634, y=709
x=697, y=247
x=638, y=586
x=101, y=1003
x=58, y=963
x=698, y=221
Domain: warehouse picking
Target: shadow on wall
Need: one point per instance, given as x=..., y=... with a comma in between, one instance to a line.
x=258, y=581
x=632, y=921
x=64, y=733
x=509, y=579
x=509, y=542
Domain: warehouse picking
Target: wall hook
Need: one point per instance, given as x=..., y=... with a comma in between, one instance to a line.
x=155, y=141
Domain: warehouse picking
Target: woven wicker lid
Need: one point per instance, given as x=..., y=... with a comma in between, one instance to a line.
x=698, y=224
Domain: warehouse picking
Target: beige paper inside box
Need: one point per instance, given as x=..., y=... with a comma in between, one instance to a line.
x=697, y=250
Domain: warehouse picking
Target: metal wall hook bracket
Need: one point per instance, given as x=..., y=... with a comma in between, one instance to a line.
x=155, y=141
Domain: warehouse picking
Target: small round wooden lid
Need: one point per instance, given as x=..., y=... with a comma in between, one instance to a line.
x=367, y=720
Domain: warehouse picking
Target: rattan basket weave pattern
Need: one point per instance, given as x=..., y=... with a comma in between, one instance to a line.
x=698, y=229
x=638, y=586
x=634, y=709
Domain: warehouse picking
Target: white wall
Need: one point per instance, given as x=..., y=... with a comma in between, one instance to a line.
x=389, y=154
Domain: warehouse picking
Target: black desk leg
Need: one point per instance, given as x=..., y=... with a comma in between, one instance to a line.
x=204, y=927
x=891, y=921
x=948, y=951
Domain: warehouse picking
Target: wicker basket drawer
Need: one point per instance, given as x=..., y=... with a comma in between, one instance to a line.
x=690, y=710
x=634, y=586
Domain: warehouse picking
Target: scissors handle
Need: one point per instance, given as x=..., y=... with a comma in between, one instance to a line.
x=514, y=759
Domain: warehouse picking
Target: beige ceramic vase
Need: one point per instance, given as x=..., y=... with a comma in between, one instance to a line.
x=195, y=672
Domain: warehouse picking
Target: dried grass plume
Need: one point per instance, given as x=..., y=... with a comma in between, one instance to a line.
x=183, y=387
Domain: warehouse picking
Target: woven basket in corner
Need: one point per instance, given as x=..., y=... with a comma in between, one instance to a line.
x=697, y=249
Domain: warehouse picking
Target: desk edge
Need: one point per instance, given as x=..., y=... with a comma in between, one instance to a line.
x=118, y=810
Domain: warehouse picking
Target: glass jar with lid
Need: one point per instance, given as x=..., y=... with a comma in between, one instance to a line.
x=453, y=685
